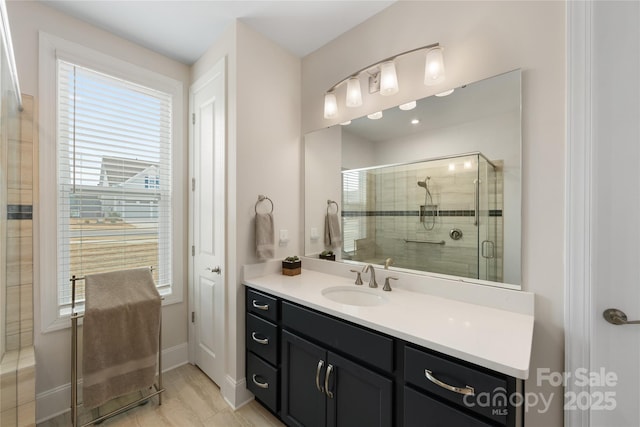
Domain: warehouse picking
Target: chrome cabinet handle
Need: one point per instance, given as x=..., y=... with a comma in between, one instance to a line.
x=258, y=383
x=259, y=340
x=618, y=317
x=255, y=304
x=318, y=386
x=326, y=381
x=466, y=390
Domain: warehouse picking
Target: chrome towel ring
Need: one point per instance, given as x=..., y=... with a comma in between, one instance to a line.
x=331, y=202
x=262, y=198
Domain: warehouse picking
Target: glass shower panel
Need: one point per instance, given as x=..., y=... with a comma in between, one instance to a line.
x=485, y=214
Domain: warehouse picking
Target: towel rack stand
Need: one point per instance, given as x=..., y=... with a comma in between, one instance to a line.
x=74, y=367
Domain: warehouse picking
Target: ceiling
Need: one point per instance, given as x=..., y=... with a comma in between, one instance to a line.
x=183, y=30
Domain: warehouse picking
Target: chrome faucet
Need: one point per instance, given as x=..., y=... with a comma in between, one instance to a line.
x=387, y=263
x=372, y=278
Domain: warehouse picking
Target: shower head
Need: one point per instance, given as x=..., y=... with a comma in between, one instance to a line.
x=424, y=184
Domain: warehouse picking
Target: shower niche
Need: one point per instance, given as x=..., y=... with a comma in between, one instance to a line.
x=442, y=215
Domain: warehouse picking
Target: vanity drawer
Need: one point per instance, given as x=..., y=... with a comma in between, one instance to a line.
x=262, y=304
x=262, y=380
x=487, y=388
x=420, y=410
x=357, y=342
x=262, y=338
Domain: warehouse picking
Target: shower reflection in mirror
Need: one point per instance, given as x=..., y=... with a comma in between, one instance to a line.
x=385, y=214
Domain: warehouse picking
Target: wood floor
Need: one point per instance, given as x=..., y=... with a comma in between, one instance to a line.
x=190, y=399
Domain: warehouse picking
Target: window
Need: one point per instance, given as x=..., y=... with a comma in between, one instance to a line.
x=354, y=199
x=107, y=174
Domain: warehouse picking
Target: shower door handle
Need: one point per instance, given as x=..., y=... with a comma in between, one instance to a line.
x=476, y=183
x=492, y=252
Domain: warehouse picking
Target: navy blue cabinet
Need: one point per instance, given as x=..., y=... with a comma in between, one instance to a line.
x=314, y=370
x=321, y=388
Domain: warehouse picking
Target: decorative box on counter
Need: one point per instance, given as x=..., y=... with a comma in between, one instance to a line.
x=327, y=255
x=291, y=266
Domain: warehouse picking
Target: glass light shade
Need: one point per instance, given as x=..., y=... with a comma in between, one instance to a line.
x=408, y=106
x=388, y=79
x=445, y=93
x=330, y=106
x=375, y=116
x=354, y=95
x=434, y=67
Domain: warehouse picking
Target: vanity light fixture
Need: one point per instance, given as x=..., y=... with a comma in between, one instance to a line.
x=445, y=93
x=408, y=106
x=354, y=94
x=388, y=79
x=375, y=116
x=383, y=78
x=434, y=67
x=330, y=106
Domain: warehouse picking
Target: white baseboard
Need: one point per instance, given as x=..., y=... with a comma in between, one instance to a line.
x=56, y=401
x=235, y=393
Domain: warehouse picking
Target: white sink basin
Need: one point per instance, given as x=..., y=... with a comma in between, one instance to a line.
x=352, y=295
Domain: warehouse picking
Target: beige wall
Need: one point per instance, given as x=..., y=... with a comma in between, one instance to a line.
x=27, y=18
x=263, y=157
x=481, y=39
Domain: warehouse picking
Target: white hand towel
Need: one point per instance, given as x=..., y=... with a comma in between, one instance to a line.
x=332, y=237
x=264, y=236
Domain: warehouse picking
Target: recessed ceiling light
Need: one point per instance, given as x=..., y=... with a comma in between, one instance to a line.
x=415, y=121
x=445, y=93
x=348, y=122
x=408, y=106
x=375, y=116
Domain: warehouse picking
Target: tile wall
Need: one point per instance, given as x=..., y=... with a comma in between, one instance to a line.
x=394, y=227
x=17, y=368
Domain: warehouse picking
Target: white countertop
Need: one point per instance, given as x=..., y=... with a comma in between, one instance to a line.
x=491, y=337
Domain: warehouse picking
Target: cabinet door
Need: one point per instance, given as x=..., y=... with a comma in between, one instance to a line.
x=357, y=396
x=303, y=373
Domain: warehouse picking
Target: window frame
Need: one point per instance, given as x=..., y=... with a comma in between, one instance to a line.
x=51, y=50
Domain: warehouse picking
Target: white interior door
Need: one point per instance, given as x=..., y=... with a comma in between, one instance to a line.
x=607, y=391
x=207, y=278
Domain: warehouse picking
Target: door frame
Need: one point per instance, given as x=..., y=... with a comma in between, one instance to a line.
x=578, y=318
x=217, y=69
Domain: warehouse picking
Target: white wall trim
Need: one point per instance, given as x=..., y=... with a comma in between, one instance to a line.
x=578, y=190
x=56, y=401
x=235, y=393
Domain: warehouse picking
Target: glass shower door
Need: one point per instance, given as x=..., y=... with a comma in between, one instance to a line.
x=485, y=219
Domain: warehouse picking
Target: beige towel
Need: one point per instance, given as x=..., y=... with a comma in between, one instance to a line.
x=264, y=236
x=332, y=237
x=120, y=334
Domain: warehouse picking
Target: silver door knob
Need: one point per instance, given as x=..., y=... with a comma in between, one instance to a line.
x=214, y=270
x=617, y=317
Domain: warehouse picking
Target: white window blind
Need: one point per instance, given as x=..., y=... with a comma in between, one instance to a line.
x=114, y=178
x=354, y=196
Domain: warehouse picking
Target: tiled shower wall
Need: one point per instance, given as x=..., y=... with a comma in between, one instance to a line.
x=17, y=369
x=394, y=219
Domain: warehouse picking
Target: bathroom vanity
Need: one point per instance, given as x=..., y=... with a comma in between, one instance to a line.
x=324, y=351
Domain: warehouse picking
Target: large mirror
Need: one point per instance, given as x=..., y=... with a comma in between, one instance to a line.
x=433, y=189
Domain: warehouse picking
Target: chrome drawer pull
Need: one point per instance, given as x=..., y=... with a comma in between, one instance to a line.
x=260, y=307
x=259, y=340
x=326, y=381
x=466, y=390
x=318, y=386
x=259, y=384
